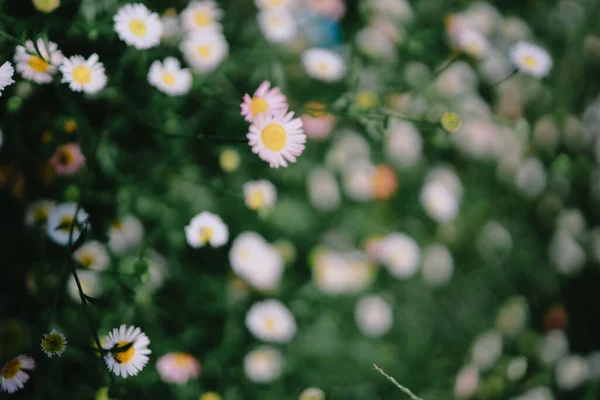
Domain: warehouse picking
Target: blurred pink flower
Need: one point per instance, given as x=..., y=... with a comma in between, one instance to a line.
x=265, y=100
x=178, y=367
x=317, y=123
x=67, y=159
x=334, y=9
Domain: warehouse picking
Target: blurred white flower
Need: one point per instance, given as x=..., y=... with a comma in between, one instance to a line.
x=375, y=43
x=271, y=321
x=537, y=393
x=517, y=368
x=61, y=221
x=571, y=372
x=401, y=255
x=349, y=149
x=531, y=178
x=312, y=393
x=494, y=242
x=482, y=17
x=263, y=364
x=495, y=66
x=397, y=9
x=487, y=350
x=35, y=68
x=323, y=190
x=125, y=234
x=437, y=266
x=171, y=26
x=177, y=367
x=565, y=253
x=546, y=134
x=512, y=316
x=260, y=195
x=278, y=26
x=324, y=65
x=273, y=4
x=206, y=228
x=358, y=182
x=37, y=212
x=169, y=77
x=515, y=29
x=202, y=16
x=373, y=316
x=205, y=51
x=478, y=138
x=571, y=220
x=467, y=382
x=338, y=273
x=531, y=59
x=90, y=283
x=439, y=202
x=256, y=261
x=457, y=79
x=404, y=143
x=593, y=361
x=92, y=255
x=472, y=43
x=6, y=76
x=137, y=26
x=553, y=346
x=576, y=135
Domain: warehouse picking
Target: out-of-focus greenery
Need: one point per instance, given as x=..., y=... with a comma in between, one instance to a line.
x=144, y=158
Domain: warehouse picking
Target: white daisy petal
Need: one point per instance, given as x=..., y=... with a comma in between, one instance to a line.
x=137, y=26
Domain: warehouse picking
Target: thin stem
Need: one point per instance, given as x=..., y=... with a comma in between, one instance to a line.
x=514, y=72
x=392, y=113
x=404, y=389
x=447, y=64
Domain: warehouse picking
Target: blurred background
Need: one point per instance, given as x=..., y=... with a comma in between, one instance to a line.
x=442, y=221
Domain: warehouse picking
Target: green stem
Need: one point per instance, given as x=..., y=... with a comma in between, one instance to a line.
x=404, y=389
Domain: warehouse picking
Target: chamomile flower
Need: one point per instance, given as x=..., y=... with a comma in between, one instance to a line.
x=278, y=26
x=128, y=351
x=472, y=43
x=531, y=59
x=260, y=194
x=61, y=220
x=67, y=159
x=178, y=367
x=271, y=321
x=83, y=75
x=169, y=77
x=37, y=212
x=206, y=228
x=125, y=234
x=6, y=73
x=277, y=138
x=13, y=375
x=137, y=26
x=202, y=15
x=205, y=51
x=34, y=68
x=92, y=255
x=264, y=101
x=54, y=343
x=324, y=65
x=256, y=261
x=263, y=364
x=273, y=4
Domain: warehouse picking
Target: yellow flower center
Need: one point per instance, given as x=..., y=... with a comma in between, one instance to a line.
x=118, y=225
x=11, y=369
x=203, y=18
x=210, y=396
x=37, y=64
x=315, y=109
x=53, y=343
x=323, y=67
x=366, y=100
x=182, y=360
x=203, y=51
x=206, y=234
x=168, y=79
x=65, y=156
x=274, y=137
x=70, y=126
x=451, y=122
x=270, y=324
x=40, y=215
x=86, y=260
x=529, y=61
x=46, y=5
x=138, y=27
x=258, y=105
x=255, y=200
x=82, y=74
x=170, y=12
x=275, y=3
x=123, y=357
x=229, y=160
x=474, y=49
x=65, y=223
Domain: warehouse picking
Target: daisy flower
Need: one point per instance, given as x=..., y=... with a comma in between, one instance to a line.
x=278, y=26
x=125, y=234
x=34, y=68
x=83, y=75
x=169, y=77
x=178, y=368
x=128, y=351
x=264, y=100
x=531, y=59
x=273, y=4
x=46, y=6
x=67, y=159
x=205, y=51
x=12, y=374
x=271, y=321
x=206, y=228
x=324, y=65
x=277, y=138
x=92, y=255
x=256, y=261
x=60, y=221
x=37, y=212
x=260, y=194
x=6, y=73
x=263, y=364
x=137, y=26
x=202, y=15
x=54, y=343
x=472, y=43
